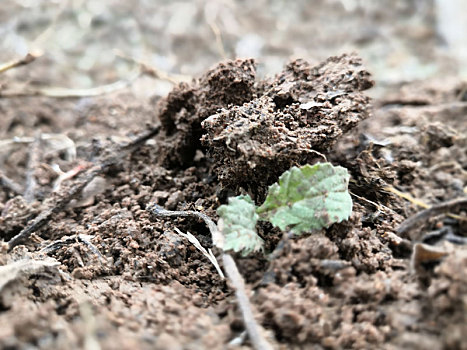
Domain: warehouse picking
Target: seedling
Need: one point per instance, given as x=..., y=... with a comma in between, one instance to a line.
x=305, y=199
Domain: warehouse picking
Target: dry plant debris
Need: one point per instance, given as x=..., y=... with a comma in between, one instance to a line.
x=228, y=133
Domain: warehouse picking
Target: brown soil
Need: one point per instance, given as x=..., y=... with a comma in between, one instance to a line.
x=103, y=273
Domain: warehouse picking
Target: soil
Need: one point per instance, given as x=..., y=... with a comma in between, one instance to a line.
x=104, y=273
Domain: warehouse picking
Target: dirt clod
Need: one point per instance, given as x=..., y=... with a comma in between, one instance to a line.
x=301, y=112
x=124, y=277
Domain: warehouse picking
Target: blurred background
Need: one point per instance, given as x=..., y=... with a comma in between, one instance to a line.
x=86, y=43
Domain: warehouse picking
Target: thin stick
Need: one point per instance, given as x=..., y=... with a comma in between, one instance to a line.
x=33, y=161
x=217, y=34
x=207, y=253
x=44, y=217
x=157, y=210
x=252, y=327
x=65, y=176
x=58, y=92
x=449, y=164
x=57, y=143
x=378, y=206
x=153, y=71
x=442, y=208
x=417, y=201
x=85, y=239
x=30, y=57
x=454, y=106
x=140, y=140
x=406, y=196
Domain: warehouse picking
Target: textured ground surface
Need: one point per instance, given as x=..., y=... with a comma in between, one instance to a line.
x=105, y=274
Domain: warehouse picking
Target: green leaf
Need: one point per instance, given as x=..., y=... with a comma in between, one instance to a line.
x=307, y=198
x=238, y=224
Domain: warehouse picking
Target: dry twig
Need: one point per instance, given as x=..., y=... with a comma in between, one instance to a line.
x=158, y=211
x=380, y=207
x=256, y=338
x=85, y=239
x=252, y=327
x=59, y=92
x=153, y=71
x=217, y=34
x=406, y=196
x=33, y=161
x=418, y=202
x=206, y=252
x=63, y=176
x=30, y=57
x=44, y=217
x=437, y=209
x=53, y=143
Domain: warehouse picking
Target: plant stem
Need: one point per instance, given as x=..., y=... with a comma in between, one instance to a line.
x=252, y=327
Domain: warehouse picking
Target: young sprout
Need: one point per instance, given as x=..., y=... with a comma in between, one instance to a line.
x=307, y=198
